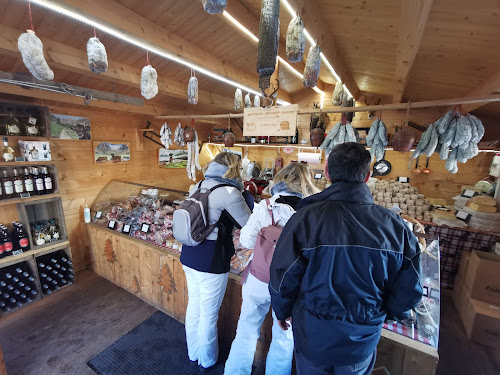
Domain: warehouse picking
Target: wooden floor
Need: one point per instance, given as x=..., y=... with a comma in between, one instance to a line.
x=61, y=333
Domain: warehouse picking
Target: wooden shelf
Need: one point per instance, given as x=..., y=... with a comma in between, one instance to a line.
x=30, y=199
x=49, y=247
x=30, y=254
x=37, y=298
x=24, y=163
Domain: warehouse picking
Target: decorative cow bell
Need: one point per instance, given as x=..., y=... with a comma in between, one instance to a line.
x=229, y=139
x=317, y=137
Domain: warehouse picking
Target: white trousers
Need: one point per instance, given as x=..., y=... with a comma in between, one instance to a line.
x=206, y=292
x=255, y=306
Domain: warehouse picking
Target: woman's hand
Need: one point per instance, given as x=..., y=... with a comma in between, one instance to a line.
x=284, y=325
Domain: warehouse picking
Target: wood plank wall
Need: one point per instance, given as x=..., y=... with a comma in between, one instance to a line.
x=81, y=180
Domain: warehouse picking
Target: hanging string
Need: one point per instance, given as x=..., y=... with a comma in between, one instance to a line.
x=147, y=57
x=192, y=123
x=95, y=35
x=229, y=122
x=31, y=19
x=193, y=73
x=408, y=113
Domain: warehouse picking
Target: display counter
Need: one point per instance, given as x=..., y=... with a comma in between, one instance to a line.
x=153, y=272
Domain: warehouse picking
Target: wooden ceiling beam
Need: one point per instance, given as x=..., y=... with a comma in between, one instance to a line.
x=244, y=16
x=75, y=60
x=119, y=16
x=314, y=21
x=146, y=109
x=487, y=87
x=414, y=16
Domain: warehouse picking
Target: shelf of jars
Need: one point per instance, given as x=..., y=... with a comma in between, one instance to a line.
x=17, y=119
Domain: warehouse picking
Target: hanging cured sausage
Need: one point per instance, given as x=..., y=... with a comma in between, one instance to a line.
x=97, y=56
x=31, y=48
x=295, y=40
x=149, y=87
x=214, y=6
x=268, y=41
x=313, y=65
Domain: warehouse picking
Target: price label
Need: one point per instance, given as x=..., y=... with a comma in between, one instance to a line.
x=98, y=214
x=112, y=224
x=20, y=158
x=425, y=291
x=464, y=216
x=318, y=176
x=25, y=195
x=145, y=228
x=17, y=252
x=403, y=179
x=126, y=229
x=469, y=193
x=32, y=120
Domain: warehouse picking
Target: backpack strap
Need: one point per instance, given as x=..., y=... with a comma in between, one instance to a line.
x=270, y=211
x=219, y=186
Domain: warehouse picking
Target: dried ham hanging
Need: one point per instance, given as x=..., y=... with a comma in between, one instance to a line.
x=268, y=41
x=31, y=48
x=193, y=163
x=214, y=6
x=313, y=65
x=295, y=40
x=149, y=87
x=193, y=90
x=166, y=136
x=238, y=100
x=96, y=53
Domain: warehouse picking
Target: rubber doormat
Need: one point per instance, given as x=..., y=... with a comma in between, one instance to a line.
x=156, y=346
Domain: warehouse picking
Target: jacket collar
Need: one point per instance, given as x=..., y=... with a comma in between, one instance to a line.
x=355, y=192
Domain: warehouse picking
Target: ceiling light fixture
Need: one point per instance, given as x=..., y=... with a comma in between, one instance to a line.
x=141, y=43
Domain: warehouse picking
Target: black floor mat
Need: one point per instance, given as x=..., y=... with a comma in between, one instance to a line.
x=156, y=346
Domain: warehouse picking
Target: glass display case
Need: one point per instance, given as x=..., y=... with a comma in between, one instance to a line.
x=423, y=326
x=141, y=211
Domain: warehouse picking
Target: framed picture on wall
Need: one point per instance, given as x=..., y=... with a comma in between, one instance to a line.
x=69, y=127
x=109, y=152
x=172, y=158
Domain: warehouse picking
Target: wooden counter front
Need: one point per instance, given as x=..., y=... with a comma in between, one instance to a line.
x=155, y=275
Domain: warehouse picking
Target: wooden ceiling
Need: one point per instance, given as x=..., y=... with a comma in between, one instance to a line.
x=401, y=49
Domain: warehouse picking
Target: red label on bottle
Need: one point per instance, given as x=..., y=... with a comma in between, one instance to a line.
x=1, y=249
x=23, y=242
x=7, y=246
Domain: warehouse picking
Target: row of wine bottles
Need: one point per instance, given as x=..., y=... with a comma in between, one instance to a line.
x=55, y=270
x=17, y=286
x=30, y=180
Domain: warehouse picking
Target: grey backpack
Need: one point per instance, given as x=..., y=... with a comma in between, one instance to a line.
x=190, y=223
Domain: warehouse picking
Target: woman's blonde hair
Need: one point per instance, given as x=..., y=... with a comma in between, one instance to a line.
x=298, y=179
x=230, y=160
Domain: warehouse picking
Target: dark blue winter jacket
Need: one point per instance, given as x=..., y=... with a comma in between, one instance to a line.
x=341, y=265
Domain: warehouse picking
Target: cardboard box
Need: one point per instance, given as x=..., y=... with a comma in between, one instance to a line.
x=480, y=273
x=481, y=320
x=464, y=261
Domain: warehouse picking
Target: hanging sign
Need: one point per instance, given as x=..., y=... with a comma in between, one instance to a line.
x=270, y=122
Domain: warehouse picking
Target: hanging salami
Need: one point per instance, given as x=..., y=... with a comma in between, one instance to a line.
x=313, y=65
x=31, y=48
x=295, y=40
x=97, y=56
x=268, y=41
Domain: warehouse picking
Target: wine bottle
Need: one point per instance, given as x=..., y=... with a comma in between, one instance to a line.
x=7, y=185
x=8, y=152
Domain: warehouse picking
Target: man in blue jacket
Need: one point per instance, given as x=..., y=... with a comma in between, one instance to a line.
x=341, y=266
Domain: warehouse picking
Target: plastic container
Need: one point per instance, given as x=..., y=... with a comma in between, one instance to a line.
x=86, y=214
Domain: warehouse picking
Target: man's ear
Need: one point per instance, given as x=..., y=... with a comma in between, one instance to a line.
x=368, y=175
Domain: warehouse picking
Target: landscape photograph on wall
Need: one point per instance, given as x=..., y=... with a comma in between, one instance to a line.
x=111, y=152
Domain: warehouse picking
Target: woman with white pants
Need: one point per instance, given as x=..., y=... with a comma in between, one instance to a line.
x=207, y=265
x=292, y=183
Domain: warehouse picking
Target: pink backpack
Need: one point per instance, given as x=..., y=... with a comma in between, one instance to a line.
x=267, y=238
